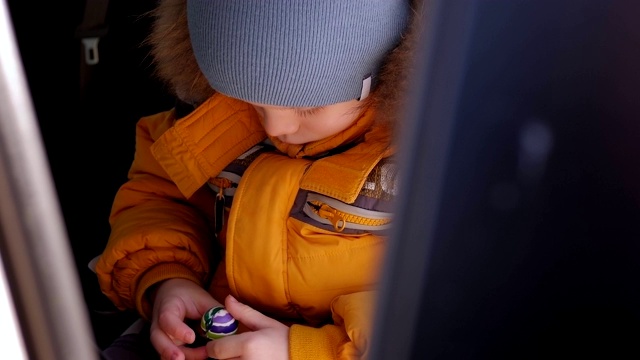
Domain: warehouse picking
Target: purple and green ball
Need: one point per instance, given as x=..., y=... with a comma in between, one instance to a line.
x=217, y=322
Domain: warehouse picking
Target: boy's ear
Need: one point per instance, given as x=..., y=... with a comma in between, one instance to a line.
x=173, y=59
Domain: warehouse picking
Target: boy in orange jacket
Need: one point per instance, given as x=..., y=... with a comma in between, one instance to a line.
x=271, y=187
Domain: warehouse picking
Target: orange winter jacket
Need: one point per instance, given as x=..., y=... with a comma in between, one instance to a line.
x=299, y=239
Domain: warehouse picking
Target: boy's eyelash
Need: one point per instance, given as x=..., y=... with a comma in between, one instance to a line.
x=309, y=112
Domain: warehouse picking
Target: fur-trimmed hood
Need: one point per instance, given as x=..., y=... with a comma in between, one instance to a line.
x=175, y=64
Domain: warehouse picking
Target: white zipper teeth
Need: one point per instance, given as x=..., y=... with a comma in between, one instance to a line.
x=349, y=209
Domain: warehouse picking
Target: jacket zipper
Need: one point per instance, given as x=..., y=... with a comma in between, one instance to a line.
x=222, y=184
x=343, y=216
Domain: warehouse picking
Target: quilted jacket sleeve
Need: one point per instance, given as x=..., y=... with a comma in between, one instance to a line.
x=348, y=337
x=156, y=233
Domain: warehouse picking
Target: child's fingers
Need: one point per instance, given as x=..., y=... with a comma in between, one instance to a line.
x=228, y=347
x=202, y=305
x=251, y=318
x=164, y=346
x=175, y=328
x=199, y=353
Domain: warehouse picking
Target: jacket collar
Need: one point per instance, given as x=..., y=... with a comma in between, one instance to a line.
x=199, y=146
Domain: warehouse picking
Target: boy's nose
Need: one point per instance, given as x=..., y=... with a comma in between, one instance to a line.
x=276, y=125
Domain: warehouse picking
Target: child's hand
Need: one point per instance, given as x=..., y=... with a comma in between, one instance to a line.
x=175, y=301
x=265, y=338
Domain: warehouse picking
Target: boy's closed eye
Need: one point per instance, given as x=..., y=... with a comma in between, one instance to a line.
x=300, y=125
x=305, y=112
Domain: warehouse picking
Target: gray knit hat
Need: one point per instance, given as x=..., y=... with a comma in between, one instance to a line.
x=298, y=53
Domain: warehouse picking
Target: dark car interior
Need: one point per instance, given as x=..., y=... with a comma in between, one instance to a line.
x=518, y=223
x=87, y=116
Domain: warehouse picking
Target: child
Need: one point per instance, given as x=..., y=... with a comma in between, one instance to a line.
x=269, y=188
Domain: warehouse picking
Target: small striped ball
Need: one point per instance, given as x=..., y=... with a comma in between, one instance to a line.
x=217, y=322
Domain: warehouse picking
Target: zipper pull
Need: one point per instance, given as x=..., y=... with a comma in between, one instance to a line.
x=219, y=209
x=331, y=214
